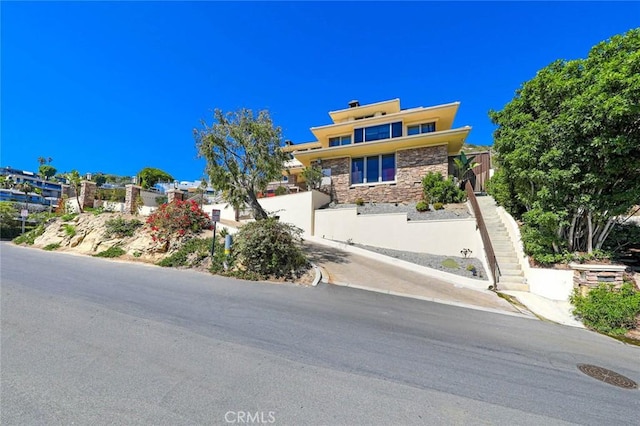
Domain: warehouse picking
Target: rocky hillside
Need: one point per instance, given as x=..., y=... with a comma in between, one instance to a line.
x=85, y=234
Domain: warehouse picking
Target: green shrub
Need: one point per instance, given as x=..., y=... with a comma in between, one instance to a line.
x=120, y=227
x=450, y=263
x=608, y=310
x=70, y=230
x=178, y=219
x=441, y=190
x=50, y=247
x=191, y=253
x=68, y=217
x=359, y=202
x=9, y=226
x=422, y=206
x=114, y=251
x=281, y=190
x=30, y=237
x=270, y=248
x=438, y=206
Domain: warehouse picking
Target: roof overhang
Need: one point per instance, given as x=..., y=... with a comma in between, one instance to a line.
x=388, y=107
x=454, y=139
x=442, y=114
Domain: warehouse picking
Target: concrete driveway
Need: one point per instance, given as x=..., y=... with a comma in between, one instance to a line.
x=348, y=269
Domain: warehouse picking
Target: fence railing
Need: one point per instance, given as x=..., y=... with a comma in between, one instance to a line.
x=486, y=241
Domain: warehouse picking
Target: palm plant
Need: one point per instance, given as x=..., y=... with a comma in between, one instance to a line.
x=464, y=167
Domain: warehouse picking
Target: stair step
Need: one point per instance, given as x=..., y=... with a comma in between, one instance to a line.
x=511, y=272
x=514, y=286
x=500, y=240
x=509, y=265
x=506, y=259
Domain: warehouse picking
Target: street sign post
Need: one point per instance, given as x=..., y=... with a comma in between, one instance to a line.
x=215, y=218
x=24, y=213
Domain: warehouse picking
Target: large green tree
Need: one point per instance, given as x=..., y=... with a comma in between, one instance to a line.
x=243, y=153
x=567, y=148
x=46, y=170
x=149, y=176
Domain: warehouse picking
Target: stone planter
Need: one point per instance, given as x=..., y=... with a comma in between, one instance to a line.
x=586, y=277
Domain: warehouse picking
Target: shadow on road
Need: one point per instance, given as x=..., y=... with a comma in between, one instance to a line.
x=320, y=254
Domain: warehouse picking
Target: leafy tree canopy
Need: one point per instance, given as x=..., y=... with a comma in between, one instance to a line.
x=313, y=176
x=47, y=171
x=567, y=147
x=149, y=176
x=243, y=155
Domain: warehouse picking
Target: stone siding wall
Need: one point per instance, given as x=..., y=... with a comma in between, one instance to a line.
x=586, y=279
x=132, y=194
x=87, y=193
x=175, y=194
x=411, y=166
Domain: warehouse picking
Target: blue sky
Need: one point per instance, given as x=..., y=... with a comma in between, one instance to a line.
x=118, y=86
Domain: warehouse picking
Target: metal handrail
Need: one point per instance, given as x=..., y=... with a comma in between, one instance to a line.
x=491, y=256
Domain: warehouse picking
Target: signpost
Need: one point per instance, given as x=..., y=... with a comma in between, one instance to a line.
x=215, y=218
x=24, y=213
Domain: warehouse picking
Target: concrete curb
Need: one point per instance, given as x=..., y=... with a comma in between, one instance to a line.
x=457, y=280
x=434, y=300
x=318, y=276
x=554, y=311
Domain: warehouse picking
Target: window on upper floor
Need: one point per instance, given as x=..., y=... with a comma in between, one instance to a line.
x=416, y=129
x=373, y=169
x=381, y=131
x=340, y=140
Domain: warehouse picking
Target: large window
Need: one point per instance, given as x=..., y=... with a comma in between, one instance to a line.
x=421, y=128
x=381, y=131
x=377, y=168
x=340, y=140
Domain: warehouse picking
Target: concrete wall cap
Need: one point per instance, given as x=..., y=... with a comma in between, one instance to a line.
x=600, y=267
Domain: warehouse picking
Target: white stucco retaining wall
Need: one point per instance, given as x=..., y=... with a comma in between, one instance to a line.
x=554, y=284
x=226, y=211
x=392, y=231
x=296, y=209
x=149, y=198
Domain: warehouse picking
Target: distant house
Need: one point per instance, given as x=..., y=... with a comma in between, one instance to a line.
x=51, y=191
x=379, y=152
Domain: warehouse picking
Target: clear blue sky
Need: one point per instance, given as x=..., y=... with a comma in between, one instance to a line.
x=118, y=86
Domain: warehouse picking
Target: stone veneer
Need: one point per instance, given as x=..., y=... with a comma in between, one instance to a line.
x=174, y=194
x=411, y=166
x=586, y=277
x=87, y=193
x=131, y=195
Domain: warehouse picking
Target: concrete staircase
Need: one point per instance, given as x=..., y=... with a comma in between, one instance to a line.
x=511, y=275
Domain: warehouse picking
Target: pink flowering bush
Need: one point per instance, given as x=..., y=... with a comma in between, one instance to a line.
x=177, y=219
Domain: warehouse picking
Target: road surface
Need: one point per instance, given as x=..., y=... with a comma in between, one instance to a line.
x=93, y=341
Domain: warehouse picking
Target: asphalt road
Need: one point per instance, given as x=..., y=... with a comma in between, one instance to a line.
x=89, y=341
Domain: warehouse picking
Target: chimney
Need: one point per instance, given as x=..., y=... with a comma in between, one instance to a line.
x=354, y=104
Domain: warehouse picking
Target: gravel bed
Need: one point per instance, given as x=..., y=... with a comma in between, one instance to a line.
x=433, y=261
x=450, y=211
